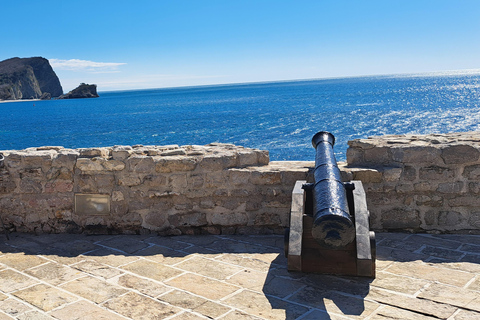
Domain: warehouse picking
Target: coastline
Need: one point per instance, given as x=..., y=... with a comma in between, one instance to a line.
x=20, y=100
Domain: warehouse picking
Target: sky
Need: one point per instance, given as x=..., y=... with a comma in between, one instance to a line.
x=123, y=45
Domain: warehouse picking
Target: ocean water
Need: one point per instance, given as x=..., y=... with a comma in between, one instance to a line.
x=280, y=117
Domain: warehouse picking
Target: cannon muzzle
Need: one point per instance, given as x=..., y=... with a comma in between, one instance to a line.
x=332, y=224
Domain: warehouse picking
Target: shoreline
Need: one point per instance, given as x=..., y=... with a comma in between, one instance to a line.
x=20, y=100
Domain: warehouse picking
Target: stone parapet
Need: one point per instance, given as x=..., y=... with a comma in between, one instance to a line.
x=171, y=190
x=419, y=182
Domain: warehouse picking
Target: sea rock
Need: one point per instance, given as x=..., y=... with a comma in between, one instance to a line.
x=82, y=91
x=28, y=78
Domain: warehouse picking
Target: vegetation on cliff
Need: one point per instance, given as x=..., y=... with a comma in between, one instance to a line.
x=28, y=78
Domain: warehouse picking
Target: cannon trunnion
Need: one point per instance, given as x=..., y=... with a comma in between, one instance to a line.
x=329, y=222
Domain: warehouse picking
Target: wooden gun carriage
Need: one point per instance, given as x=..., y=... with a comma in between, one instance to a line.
x=329, y=229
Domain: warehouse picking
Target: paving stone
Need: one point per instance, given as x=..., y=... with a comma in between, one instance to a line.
x=323, y=315
x=34, y=315
x=54, y=273
x=408, y=245
x=398, y=283
x=182, y=299
x=93, y=289
x=472, y=239
x=21, y=261
x=250, y=279
x=475, y=285
x=434, y=241
x=4, y=316
x=443, y=253
x=424, y=271
x=472, y=258
x=169, y=242
x=152, y=270
x=71, y=248
x=462, y=266
x=189, y=316
x=150, y=288
x=434, y=308
x=3, y=296
x=81, y=310
x=163, y=255
x=466, y=315
x=238, y=315
x=470, y=248
x=128, y=244
x=333, y=302
x=137, y=306
x=202, y=286
x=200, y=305
x=265, y=307
x=109, y=257
x=63, y=259
x=210, y=268
x=399, y=255
x=97, y=269
x=13, y=307
x=270, y=258
x=388, y=312
x=356, y=286
x=201, y=241
x=45, y=297
x=274, y=241
x=229, y=246
x=245, y=261
x=11, y=280
x=459, y=297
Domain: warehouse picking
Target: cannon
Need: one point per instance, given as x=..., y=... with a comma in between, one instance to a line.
x=329, y=229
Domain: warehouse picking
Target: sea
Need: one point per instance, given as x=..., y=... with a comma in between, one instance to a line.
x=280, y=117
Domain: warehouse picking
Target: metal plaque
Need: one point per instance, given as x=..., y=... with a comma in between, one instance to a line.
x=92, y=204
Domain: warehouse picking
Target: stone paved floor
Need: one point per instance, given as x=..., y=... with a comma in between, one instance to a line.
x=230, y=277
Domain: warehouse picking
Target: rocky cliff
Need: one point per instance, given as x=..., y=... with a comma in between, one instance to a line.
x=82, y=91
x=28, y=78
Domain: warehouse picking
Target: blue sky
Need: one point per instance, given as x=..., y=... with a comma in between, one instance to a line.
x=123, y=45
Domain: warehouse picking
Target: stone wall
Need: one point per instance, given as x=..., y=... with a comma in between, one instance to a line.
x=218, y=188
x=420, y=182
x=416, y=183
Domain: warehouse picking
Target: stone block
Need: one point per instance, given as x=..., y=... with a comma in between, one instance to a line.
x=191, y=219
x=432, y=200
x=355, y=156
x=129, y=179
x=178, y=182
x=392, y=174
x=266, y=177
x=247, y=158
x=401, y=218
x=420, y=154
x=409, y=173
x=263, y=157
x=457, y=154
x=436, y=173
x=239, y=176
x=94, y=152
x=472, y=172
x=58, y=186
x=66, y=159
x=227, y=218
x=367, y=175
x=424, y=186
x=30, y=186
x=450, y=218
x=140, y=164
x=464, y=201
x=156, y=220
x=121, y=153
x=474, y=220
x=94, y=183
x=450, y=187
x=378, y=155
x=175, y=164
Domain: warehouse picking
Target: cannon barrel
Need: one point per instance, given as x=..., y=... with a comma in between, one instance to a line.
x=332, y=224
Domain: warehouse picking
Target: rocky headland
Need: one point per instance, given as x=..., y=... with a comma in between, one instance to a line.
x=82, y=91
x=28, y=78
